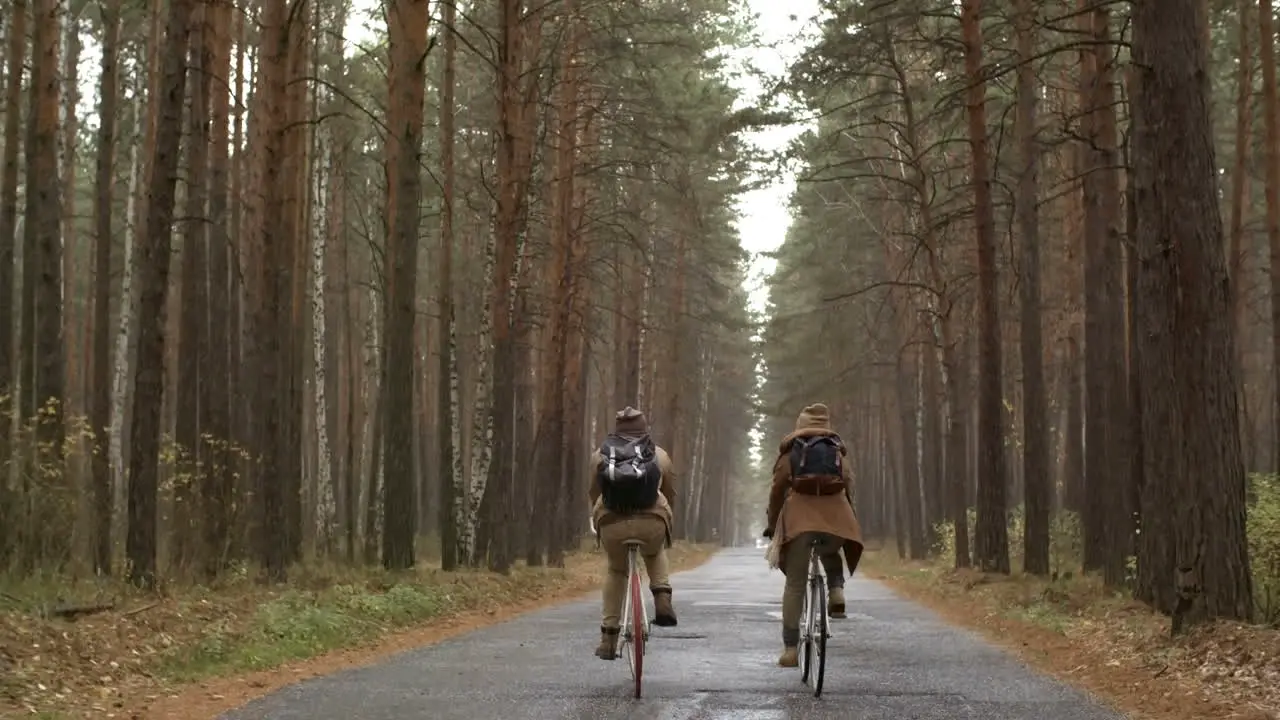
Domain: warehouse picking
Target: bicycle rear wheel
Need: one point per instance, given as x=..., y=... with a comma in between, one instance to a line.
x=806, y=637
x=818, y=635
x=639, y=631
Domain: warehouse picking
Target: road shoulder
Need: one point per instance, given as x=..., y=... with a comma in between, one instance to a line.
x=1106, y=644
x=191, y=656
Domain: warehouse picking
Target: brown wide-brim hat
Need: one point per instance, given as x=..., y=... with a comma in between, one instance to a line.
x=630, y=420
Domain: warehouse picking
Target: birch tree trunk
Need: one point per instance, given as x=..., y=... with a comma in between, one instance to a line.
x=128, y=304
x=325, y=502
x=370, y=388
x=472, y=491
x=100, y=402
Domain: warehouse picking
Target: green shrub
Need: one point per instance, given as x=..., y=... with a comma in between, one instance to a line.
x=1066, y=545
x=1264, y=545
x=1064, y=540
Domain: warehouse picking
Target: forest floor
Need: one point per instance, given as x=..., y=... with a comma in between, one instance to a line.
x=191, y=653
x=1102, y=641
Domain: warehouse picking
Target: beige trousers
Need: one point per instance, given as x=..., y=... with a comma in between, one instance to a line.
x=652, y=532
x=795, y=562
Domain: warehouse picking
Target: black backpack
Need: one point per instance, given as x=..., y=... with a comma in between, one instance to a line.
x=628, y=475
x=817, y=465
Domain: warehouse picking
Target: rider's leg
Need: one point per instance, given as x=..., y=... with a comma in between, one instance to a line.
x=615, y=587
x=653, y=531
x=795, y=564
x=833, y=564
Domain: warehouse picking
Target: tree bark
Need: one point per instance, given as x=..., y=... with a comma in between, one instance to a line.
x=42, y=236
x=271, y=291
x=1271, y=154
x=991, y=535
x=217, y=491
x=452, y=480
x=191, y=341
x=16, y=55
x=1035, y=457
x=1193, y=557
x=153, y=263
x=407, y=27
x=104, y=182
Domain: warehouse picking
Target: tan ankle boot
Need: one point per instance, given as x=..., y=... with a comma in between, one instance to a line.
x=608, y=647
x=790, y=657
x=664, y=614
x=835, y=602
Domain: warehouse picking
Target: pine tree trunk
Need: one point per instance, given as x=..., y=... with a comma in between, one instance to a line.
x=407, y=27
x=271, y=292
x=42, y=234
x=1035, y=411
x=104, y=183
x=191, y=341
x=1193, y=556
x=991, y=538
x=217, y=491
x=153, y=265
x=1271, y=153
x=15, y=61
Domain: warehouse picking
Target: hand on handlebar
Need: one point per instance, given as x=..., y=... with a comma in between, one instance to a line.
x=768, y=533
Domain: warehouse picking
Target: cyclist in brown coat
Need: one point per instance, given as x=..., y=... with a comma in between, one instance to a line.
x=815, y=506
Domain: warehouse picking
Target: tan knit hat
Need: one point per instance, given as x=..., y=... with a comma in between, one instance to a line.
x=814, y=416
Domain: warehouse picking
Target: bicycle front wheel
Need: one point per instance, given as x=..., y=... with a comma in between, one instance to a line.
x=639, y=631
x=818, y=635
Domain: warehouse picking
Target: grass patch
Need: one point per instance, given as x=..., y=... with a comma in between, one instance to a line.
x=147, y=646
x=300, y=624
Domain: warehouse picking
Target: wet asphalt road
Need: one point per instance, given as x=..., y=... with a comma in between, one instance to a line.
x=890, y=660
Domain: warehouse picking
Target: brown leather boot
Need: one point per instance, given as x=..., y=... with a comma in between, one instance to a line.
x=608, y=647
x=835, y=603
x=664, y=615
x=790, y=657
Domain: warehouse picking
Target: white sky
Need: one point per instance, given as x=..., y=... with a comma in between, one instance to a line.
x=763, y=217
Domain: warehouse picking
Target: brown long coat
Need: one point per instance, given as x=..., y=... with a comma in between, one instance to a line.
x=792, y=513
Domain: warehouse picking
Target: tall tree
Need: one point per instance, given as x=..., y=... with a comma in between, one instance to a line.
x=1271, y=178
x=452, y=478
x=153, y=264
x=1193, y=504
x=191, y=340
x=16, y=51
x=108, y=99
x=1035, y=411
x=15, y=57
x=270, y=289
x=991, y=540
x=217, y=481
x=42, y=230
x=407, y=29
x=1108, y=519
